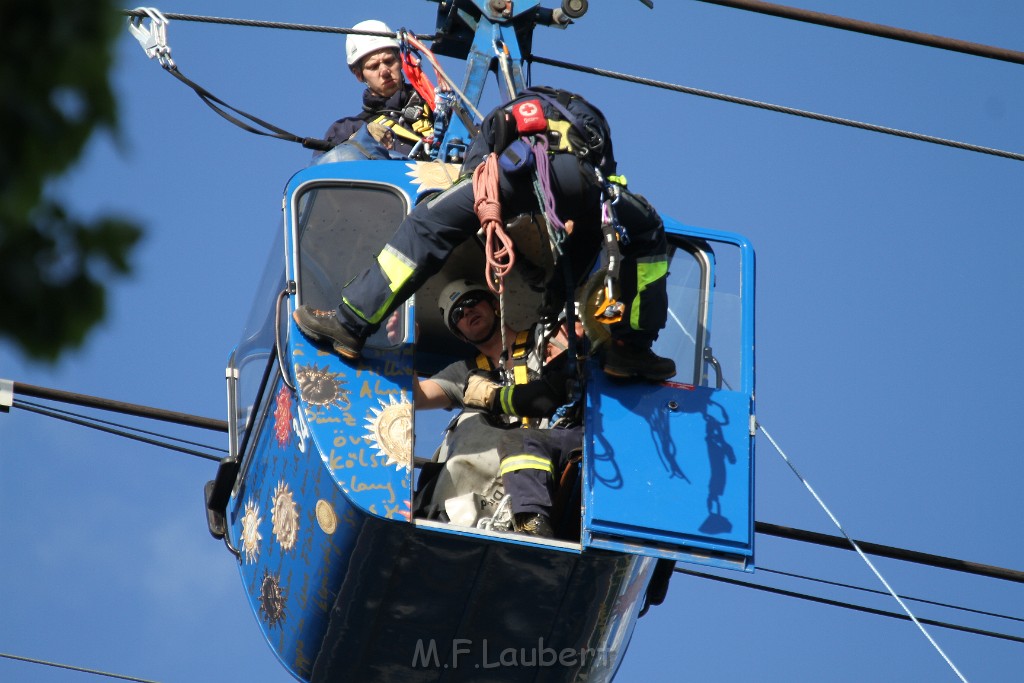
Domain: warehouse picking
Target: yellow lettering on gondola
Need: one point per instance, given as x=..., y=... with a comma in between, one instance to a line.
x=360, y=487
x=350, y=518
x=302, y=662
x=335, y=461
x=365, y=391
x=377, y=388
x=360, y=459
x=393, y=369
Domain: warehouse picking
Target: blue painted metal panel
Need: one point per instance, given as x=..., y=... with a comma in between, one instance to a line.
x=358, y=419
x=294, y=530
x=669, y=471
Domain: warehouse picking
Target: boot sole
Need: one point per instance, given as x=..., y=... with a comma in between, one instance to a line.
x=339, y=348
x=346, y=352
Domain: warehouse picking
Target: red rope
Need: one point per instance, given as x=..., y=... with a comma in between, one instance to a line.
x=413, y=73
x=487, y=204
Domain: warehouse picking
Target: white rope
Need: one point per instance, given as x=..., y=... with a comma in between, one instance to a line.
x=862, y=555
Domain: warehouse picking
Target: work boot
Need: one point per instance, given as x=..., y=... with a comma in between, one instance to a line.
x=532, y=524
x=324, y=325
x=627, y=361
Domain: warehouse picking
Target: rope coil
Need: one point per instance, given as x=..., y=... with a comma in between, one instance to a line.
x=498, y=246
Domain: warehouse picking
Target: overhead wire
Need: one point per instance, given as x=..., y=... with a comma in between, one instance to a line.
x=257, y=23
x=57, y=665
x=850, y=586
x=892, y=552
x=920, y=137
x=851, y=606
x=135, y=437
x=868, y=28
x=120, y=425
x=134, y=409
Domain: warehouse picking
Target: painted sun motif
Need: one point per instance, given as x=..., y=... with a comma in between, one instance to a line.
x=320, y=387
x=390, y=430
x=433, y=175
x=250, y=532
x=285, y=517
x=272, y=599
x=283, y=417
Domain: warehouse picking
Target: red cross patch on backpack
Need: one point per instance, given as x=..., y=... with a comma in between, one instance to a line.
x=529, y=116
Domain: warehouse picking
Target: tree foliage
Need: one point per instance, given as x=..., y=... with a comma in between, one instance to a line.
x=55, y=93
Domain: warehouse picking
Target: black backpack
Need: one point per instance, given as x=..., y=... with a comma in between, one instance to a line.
x=586, y=131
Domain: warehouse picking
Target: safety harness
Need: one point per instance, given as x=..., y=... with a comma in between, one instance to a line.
x=411, y=123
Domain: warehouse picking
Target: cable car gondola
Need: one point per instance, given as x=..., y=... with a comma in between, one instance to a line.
x=316, y=496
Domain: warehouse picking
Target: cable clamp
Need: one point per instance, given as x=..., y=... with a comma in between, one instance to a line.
x=6, y=395
x=154, y=39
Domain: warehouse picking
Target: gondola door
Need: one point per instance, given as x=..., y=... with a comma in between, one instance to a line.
x=669, y=467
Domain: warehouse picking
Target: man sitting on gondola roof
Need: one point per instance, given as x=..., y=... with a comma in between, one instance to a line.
x=391, y=106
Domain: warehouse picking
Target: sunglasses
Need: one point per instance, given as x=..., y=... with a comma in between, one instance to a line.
x=459, y=310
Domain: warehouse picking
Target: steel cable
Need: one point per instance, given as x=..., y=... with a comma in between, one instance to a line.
x=780, y=109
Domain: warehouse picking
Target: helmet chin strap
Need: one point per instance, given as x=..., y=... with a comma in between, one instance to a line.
x=488, y=335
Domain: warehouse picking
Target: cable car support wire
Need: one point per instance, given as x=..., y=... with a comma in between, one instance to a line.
x=858, y=608
x=849, y=586
x=11, y=389
x=827, y=118
x=863, y=556
x=879, y=30
x=155, y=47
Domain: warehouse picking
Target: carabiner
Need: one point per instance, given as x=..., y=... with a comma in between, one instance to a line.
x=609, y=310
x=153, y=40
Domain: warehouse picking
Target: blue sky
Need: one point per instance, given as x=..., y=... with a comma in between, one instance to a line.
x=889, y=327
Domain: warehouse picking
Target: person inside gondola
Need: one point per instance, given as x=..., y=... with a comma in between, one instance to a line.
x=482, y=463
x=393, y=112
x=579, y=164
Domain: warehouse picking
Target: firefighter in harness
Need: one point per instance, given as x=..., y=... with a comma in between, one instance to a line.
x=396, y=114
x=550, y=147
x=500, y=446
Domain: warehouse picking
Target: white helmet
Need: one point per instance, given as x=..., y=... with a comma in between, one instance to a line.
x=358, y=46
x=452, y=292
